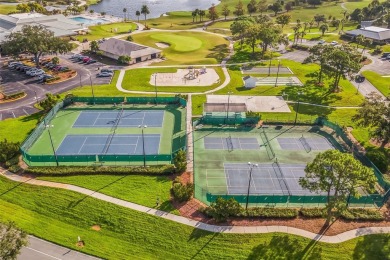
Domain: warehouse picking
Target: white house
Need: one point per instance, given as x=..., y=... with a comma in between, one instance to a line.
x=249, y=82
x=114, y=48
x=58, y=24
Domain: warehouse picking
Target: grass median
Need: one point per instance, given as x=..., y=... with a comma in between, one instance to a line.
x=126, y=233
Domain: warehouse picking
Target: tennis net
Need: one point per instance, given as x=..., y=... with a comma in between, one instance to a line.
x=229, y=143
x=113, y=130
x=280, y=176
x=305, y=144
x=267, y=144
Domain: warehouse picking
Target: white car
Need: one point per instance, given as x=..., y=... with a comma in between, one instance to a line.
x=33, y=73
x=12, y=64
x=321, y=42
x=334, y=43
x=39, y=72
x=28, y=72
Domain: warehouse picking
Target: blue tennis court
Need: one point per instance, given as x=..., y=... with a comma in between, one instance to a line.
x=127, y=118
x=107, y=144
x=231, y=143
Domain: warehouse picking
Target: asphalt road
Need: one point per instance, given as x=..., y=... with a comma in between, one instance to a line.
x=17, y=80
x=39, y=249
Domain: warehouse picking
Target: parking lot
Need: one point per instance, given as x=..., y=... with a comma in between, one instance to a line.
x=16, y=81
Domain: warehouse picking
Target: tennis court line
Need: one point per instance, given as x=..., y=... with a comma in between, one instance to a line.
x=81, y=147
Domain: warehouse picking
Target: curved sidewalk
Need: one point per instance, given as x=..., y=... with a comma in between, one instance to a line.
x=196, y=224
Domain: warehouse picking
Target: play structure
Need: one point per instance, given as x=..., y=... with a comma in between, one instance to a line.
x=193, y=73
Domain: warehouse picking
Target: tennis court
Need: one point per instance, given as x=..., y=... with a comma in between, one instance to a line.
x=303, y=143
x=229, y=143
x=123, y=118
x=109, y=144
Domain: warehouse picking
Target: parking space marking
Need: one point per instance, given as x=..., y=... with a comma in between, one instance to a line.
x=13, y=114
x=1, y=117
x=25, y=112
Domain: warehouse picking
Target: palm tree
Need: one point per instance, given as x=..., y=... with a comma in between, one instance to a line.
x=145, y=11
x=303, y=33
x=202, y=13
x=124, y=14
x=137, y=13
x=194, y=14
x=366, y=42
x=323, y=28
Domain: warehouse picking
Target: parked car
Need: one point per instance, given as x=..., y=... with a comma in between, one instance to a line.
x=86, y=59
x=80, y=58
x=321, y=42
x=104, y=74
x=63, y=68
x=107, y=70
x=385, y=54
x=75, y=56
x=12, y=65
x=56, y=68
x=91, y=61
x=359, y=78
x=45, y=77
x=30, y=71
x=334, y=43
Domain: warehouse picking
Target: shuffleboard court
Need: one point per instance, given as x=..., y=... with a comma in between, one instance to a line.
x=311, y=143
x=106, y=144
x=127, y=118
x=231, y=143
x=266, y=179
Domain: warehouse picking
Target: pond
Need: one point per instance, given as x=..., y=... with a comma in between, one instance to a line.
x=156, y=7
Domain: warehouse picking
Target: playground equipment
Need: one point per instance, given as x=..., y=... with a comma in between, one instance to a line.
x=193, y=73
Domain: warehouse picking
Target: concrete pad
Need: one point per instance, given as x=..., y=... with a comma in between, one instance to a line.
x=273, y=229
x=181, y=78
x=265, y=70
x=254, y=103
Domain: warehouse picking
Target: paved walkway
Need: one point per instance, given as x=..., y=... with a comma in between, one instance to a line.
x=199, y=225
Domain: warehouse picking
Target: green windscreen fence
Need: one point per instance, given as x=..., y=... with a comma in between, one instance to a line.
x=44, y=159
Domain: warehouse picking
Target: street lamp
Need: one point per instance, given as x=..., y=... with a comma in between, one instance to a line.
x=251, y=166
x=143, y=142
x=155, y=86
x=36, y=97
x=51, y=141
x=227, y=111
x=269, y=66
x=296, y=112
x=277, y=74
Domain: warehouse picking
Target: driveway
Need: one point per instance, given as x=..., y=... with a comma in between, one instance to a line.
x=36, y=91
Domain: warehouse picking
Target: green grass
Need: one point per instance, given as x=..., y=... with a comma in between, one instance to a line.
x=382, y=84
x=179, y=20
x=140, y=189
x=107, y=30
x=6, y=9
x=205, y=48
x=17, y=129
x=128, y=234
x=139, y=79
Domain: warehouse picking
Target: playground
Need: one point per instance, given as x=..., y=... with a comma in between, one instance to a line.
x=186, y=77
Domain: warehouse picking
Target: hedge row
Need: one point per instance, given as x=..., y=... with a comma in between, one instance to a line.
x=349, y=214
x=270, y=213
x=75, y=170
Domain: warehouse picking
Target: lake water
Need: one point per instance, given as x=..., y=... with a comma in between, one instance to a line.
x=156, y=7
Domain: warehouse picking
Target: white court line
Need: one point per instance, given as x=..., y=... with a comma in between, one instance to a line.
x=42, y=253
x=85, y=139
x=94, y=122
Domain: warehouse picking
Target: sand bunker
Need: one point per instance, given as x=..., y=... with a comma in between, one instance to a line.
x=186, y=77
x=162, y=45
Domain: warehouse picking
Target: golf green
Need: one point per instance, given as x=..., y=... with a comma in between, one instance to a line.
x=179, y=43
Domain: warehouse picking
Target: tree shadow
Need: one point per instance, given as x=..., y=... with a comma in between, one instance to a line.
x=219, y=52
x=372, y=247
x=197, y=234
x=284, y=247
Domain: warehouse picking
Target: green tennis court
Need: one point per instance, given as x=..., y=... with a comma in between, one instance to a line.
x=108, y=134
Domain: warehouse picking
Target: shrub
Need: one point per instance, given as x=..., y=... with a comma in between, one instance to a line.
x=55, y=60
x=14, y=168
x=380, y=159
x=89, y=170
x=15, y=95
x=124, y=59
x=8, y=150
x=271, y=212
x=182, y=192
x=301, y=47
x=52, y=79
x=313, y=212
x=362, y=214
x=180, y=161
x=129, y=38
x=12, y=161
x=221, y=209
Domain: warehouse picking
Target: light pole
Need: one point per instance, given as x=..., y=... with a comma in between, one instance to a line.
x=269, y=66
x=251, y=166
x=277, y=74
x=36, y=97
x=296, y=112
x=143, y=142
x=51, y=142
x=93, y=94
x=227, y=111
x=155, y=86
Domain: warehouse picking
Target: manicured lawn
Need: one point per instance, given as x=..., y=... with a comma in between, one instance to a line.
x=140, y=189
x=307, y=13
x=6, y=9
x=386, y=48
x=186, y=47
x=139, y=79
x=382, y=84
x=16, y=130
x=107, y=30
x=179, y=20
x=128, y=234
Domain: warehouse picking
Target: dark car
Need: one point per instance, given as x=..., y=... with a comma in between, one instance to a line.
x=360, y=78
x=385, y=54
x=107, y=70
x=91, y=61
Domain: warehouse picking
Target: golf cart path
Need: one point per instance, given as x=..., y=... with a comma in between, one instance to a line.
x=197, y=224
